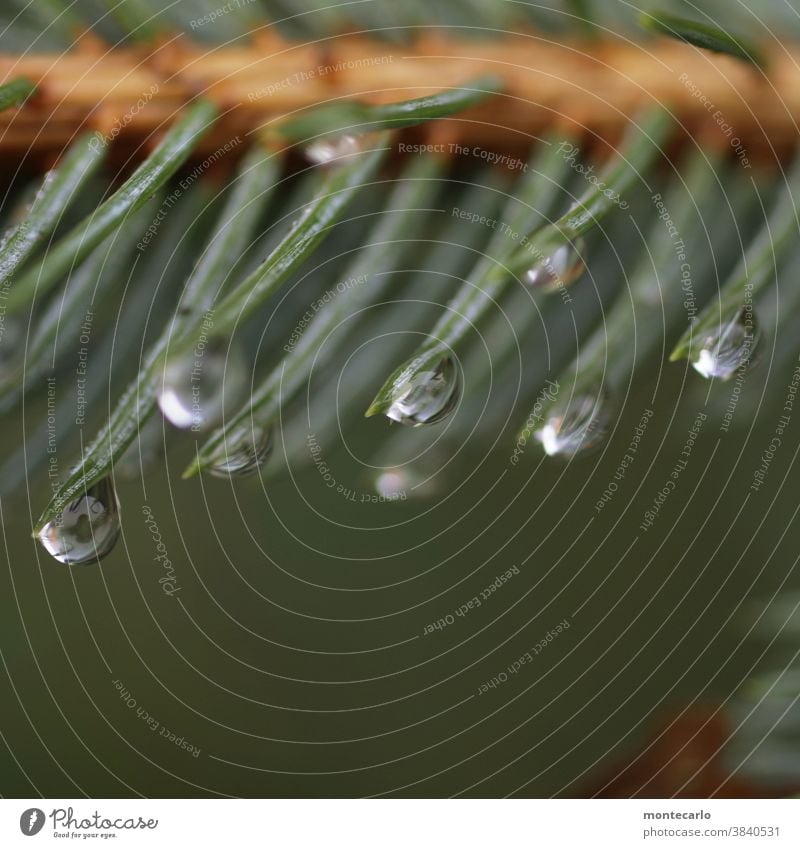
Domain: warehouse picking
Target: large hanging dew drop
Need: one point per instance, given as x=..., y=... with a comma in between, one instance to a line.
x=324, y=151
x=577, y=427
x=87, y=529
x=559, y=269
x=428, y=397
x=243, y=452
x=722, y=354
x=196, y=388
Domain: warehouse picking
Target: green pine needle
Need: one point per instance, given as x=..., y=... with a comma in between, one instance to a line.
x=755, y=270
x=352, y=116
x=171, y=153
x=401, y=221
x=15, y=93
x=58, y=192
x=704, y=36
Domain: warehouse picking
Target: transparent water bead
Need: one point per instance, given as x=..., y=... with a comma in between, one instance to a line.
x=733, y=347
x=428, y=397
x=197, y=387
x=244, y=452
x=406, y=482
x=559, y=269
x=579, y=426
x=392, y=484
x=87, y=529
x=327, y=150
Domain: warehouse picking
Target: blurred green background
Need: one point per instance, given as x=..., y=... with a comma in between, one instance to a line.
x=294, y=658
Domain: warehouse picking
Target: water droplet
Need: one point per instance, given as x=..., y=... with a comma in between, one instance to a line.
x=560, y=268
x=407, y=482
x=577, y=426
x=327, y=150
x=243, y=453
x=722, y=354
x=87, y=529
x=197, y=388
x=392, y=484
x=428, y=397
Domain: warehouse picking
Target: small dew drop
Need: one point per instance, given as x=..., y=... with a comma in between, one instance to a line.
x=392, y=484
x=197, y=387
x=733, y=347
x=560, y=269
x=87, y=529
x=406, y=482
x=428, y=397
x=245, y=451
x=324, y=151
x=578, y=427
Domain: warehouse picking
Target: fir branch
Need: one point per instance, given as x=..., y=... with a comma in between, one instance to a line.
x=256, y=182
x=169, y=155
x=338, y=189
x=384, y=245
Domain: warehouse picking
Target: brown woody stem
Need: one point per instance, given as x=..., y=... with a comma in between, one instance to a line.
x=592, y=87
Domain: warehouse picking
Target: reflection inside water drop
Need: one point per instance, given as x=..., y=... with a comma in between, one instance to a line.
x=428, y=397
x=327, y=150
x=561, y=268
x=87, y=529
x=733, y=347
x=243, y=452
x=576, y=427
x=197, y=386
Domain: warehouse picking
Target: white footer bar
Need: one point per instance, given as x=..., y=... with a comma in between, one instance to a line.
x=401, y=823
